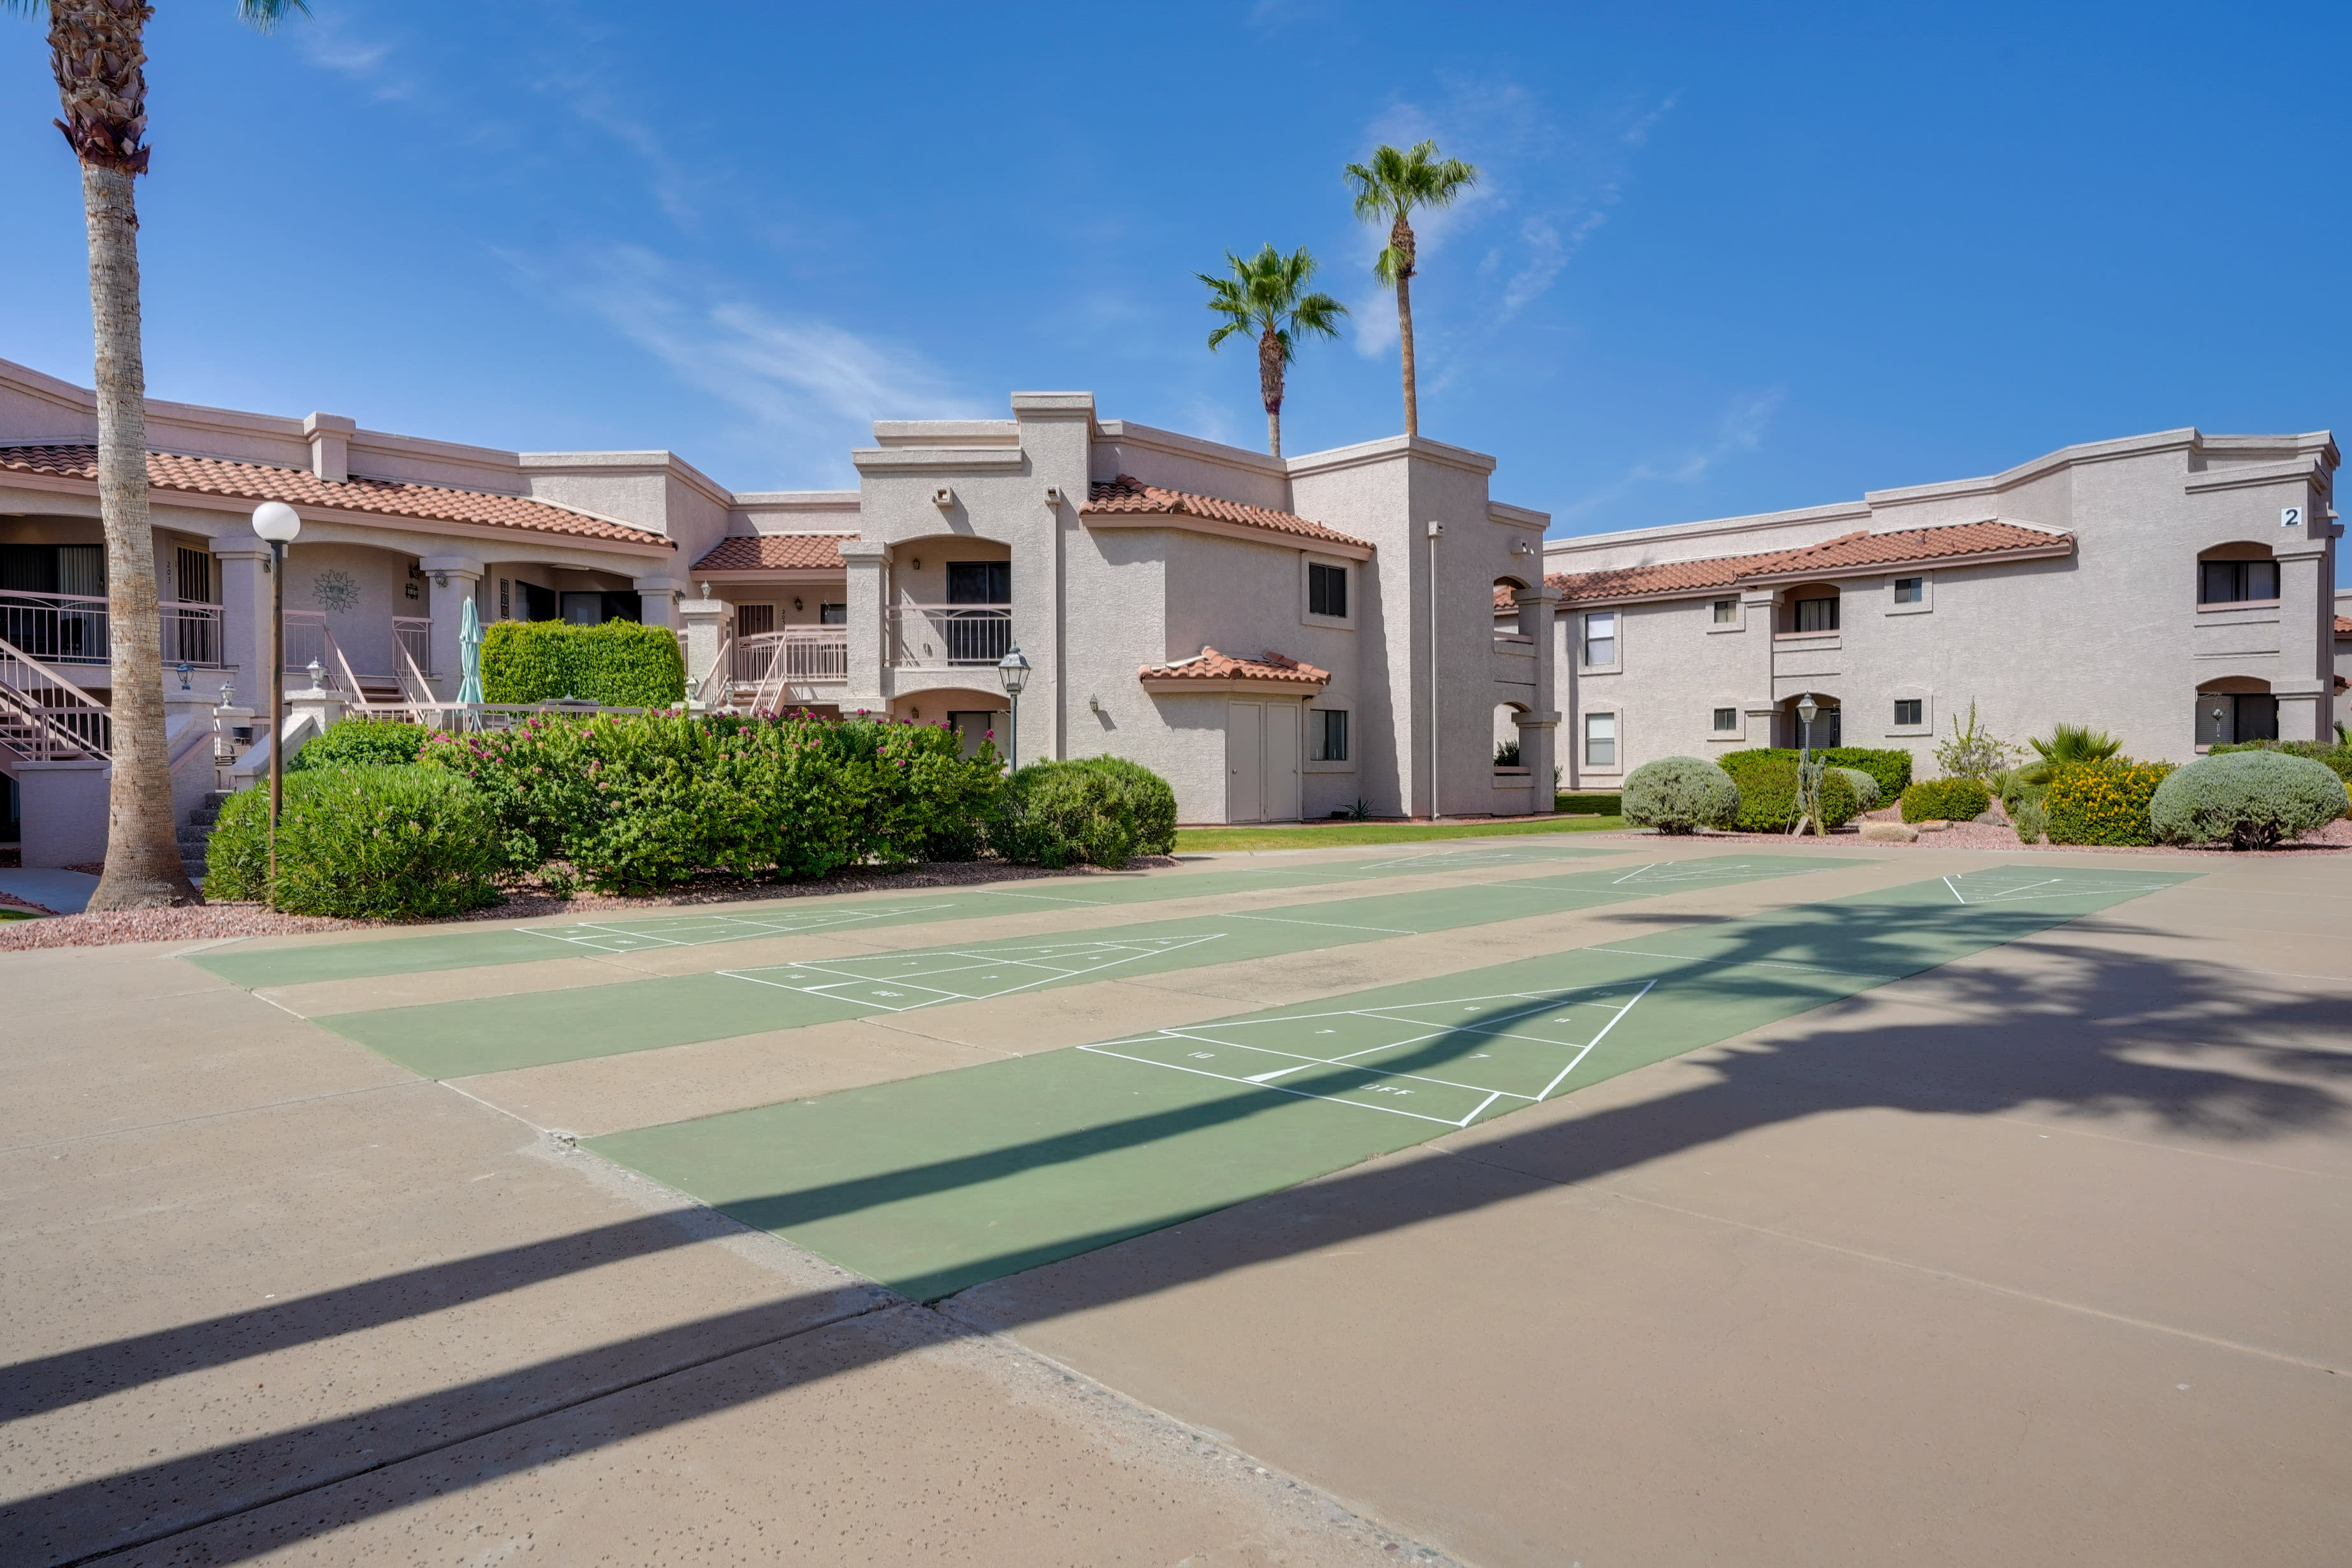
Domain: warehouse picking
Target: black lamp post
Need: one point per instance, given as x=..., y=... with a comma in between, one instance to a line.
x=1013, y=671
x=276, y=522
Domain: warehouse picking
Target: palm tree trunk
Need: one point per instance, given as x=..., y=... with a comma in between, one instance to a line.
x=142, y=851
x=1404, y=343
x=1269, y=387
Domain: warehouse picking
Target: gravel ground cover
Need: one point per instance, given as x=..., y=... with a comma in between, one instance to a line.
x=213, y=921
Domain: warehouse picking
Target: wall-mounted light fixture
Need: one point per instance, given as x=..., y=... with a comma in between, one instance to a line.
x=440, y=579
x=918, y=563
x=706, y=590
x=797, y=602
x=1054, y=495
x=943, y=498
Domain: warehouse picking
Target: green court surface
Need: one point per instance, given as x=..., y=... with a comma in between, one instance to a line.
x=474, y=946
x=933, y=1184
x=452, y=1039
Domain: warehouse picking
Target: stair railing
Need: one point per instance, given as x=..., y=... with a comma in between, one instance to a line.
x=44, y=717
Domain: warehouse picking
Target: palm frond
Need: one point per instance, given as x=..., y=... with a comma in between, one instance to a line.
x=265, y=14
x=1394, y=183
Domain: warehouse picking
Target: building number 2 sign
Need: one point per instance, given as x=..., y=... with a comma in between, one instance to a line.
x=2290, y=517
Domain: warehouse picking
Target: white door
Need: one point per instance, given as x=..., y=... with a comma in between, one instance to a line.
x=1282, y=762
x=1245, y=762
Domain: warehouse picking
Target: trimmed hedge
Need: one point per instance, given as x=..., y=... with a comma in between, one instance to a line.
x=2102, y=802
x=361, y=743
x=2250, y=800
x=1596, y=804
x=360, y=843
x=1056, y=813
x=638, y=803
x=1946, y=800
x=1891, y=769
x=620, y=664
x=1679, y=795
x=1769, y=798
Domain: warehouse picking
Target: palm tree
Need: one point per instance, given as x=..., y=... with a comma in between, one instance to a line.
x=2069, y=745
x=1263, y=298
x=97, y=51
x=1391, y=186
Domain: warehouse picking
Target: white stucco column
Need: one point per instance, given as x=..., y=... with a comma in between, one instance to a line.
x=454, y=579
x=2306, y=683
x=244, y=616
x=1759, y=613
x=309, y=714
x=869, y=623
x=705, y=619
x=657, y=600
x=1539, y=730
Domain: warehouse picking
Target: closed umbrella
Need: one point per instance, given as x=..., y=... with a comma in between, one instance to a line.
x=469, y=659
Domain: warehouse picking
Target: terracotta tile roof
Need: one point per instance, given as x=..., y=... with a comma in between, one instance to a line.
x=2343, y=626
x=1848, y=553
x=776, y=553
x=300, y=488
x=1210, y=665
x=1129, y=495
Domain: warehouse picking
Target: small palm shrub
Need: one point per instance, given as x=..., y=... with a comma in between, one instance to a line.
x=1769, y=798
x=2103, y=801
x=361, y=843
x=1678, y=794
x=2069, y=745
x=1150, y=799
x=361, y=743
x=1866, y=793
x=2249, y=800
x=1057, y=814
x=1946, y=800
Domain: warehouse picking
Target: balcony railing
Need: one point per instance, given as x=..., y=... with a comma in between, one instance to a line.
x=796, y=656
x=940, y=636
x=71, y=628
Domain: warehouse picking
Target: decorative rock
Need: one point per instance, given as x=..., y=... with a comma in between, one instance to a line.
x=1993, y=818
x=1888, y=833
x=1937, y=825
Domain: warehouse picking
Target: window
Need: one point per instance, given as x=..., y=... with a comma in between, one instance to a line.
x=1600, y=740
x=833, y=614
x=1908, y=710
x=193, y=576
x=1726, y=611
x=2235, y=581
x=1327, y=735
x=1727, y=719
x=1910, y=590
x=1600, y=640
x=980, y=581
x=754, y=620
x=505, y=598
x=1327, y=590
x=1817, y=614
x=2224, y=718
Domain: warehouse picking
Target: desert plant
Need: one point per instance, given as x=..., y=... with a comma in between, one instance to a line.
x=1770, y=798
x=1974, y=751
x=2249, y=800
x=2031, y=818
x=1946, y=800
x=1680, y=794
x=2069, y=745
x=2103, y=801
x=361, y=843
x=1865, y=787
x=361, y=743
x=2337, y=758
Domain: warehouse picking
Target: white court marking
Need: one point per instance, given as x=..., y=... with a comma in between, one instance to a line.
x=2001, y=885
x=700, y=930
x=901, y=982
x=1493, y=1028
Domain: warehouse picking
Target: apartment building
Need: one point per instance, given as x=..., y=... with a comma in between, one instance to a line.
x=2175, y=589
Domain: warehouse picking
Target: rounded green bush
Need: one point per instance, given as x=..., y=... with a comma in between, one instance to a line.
x=1865, y=787
x=361, y=743
x=1769, y=798
x=1056, y=814
x=362, y=843
x=1678, y=794
x=1149, y=796
x=2250, y=800
x=1946, y=800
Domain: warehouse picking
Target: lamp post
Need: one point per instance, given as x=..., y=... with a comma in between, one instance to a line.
x=1807, y=712
x=276, y=522
x=1013, y=671
x=1808, y=805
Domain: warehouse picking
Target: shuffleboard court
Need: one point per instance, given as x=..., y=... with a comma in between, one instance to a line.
x=451, y=1040
x=935, y=1183
x=489, y=943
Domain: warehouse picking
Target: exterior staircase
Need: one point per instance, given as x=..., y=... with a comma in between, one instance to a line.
x=196, y=833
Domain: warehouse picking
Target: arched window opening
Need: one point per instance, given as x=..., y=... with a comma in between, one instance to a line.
x=2237, y=575
x=1829, y=721
x=1810, y=609
x=2233, y=708
x=1506, y=735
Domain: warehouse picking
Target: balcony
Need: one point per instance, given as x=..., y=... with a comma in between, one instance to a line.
x=948, y=637
x=71, y=628
x=796, y=656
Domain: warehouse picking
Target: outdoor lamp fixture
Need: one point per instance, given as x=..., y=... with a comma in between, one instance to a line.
x=185, y=669
x=1808, y=710
x=276, y=522
x=1013, y=671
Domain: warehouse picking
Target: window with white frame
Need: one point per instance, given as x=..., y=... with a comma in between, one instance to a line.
x=1725, y=720
x=1600, y=639
x=1726, y=611
x=1327, y=735
x=1600, y=740
x=1909, y=712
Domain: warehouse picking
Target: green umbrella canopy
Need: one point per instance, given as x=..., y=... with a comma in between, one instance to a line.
x=469, y=652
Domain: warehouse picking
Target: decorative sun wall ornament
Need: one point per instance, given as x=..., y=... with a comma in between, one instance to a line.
x=336, y=591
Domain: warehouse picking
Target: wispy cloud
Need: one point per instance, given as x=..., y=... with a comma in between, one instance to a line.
x=810, y=387
x=333, y=43
x=1739, y=431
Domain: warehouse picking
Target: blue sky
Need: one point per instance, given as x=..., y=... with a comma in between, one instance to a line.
x=1722, y=258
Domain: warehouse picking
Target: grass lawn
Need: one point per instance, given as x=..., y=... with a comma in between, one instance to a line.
x=1377, y=832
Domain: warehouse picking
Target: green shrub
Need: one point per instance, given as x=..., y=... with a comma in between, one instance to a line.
x=2031, y=818
x=360, y=843
x=2250, y=800
x=637, y=803
x=1149, y=797
x=1769, y=797
x=1596, y=804
x=620, y=664
x=1866, y=793
x=2103, y=801
x=1678, y=794
x=1055, y=814
x=2337, y=757
x=1946, y=800
x=1890, y=769
x=361, y=743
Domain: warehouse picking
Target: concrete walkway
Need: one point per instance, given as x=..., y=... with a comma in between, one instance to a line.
x=2038, y=1256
